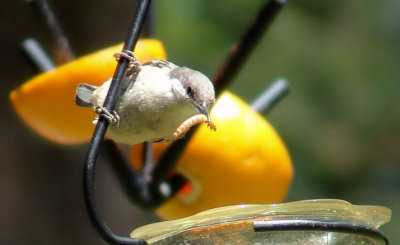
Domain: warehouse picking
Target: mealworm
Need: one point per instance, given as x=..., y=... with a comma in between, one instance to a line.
x=191, y=121
x=211, y=125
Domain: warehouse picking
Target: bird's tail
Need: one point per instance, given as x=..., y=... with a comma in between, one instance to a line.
x=83, y=94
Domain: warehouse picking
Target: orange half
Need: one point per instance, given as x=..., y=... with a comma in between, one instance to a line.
x=46, y=102
x=243, y=161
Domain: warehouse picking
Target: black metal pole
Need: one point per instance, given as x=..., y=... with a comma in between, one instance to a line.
x=223, y=77
x=98, y=135
x=242, y=49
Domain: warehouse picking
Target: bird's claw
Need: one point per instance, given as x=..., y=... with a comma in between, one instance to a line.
x=134, y=64
x=112, y=117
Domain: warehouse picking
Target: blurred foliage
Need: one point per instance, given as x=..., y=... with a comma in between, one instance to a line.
x=341, y=121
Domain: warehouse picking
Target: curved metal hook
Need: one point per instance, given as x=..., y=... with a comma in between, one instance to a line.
x=98, y=135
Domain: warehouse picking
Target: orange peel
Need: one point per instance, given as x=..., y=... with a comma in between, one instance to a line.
x=244, y=161
x=46, y=102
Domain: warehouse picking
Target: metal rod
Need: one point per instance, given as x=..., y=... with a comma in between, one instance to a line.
x=47, y=15
x=170, y=156
x=131, y=180
x=36, y=54
x=271, y=96
x=317, y=225
x=98, y=135
x=138, y=185
x=241, y=50
x=222, y=79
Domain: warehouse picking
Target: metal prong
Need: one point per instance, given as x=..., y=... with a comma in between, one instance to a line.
x=36, y=54
x=270, y=96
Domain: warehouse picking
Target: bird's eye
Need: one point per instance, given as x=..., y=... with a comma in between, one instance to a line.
x=189, y=91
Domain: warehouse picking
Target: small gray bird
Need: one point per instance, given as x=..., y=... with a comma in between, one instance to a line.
x=155, y=100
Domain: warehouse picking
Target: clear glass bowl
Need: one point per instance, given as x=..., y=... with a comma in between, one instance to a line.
x=323, y=221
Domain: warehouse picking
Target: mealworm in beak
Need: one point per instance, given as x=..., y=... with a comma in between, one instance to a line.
x=190, y=122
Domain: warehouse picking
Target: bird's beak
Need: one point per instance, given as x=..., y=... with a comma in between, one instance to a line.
x=203, y=109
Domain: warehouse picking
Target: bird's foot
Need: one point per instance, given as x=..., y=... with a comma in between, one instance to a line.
x=112, y=117
x=134, y=64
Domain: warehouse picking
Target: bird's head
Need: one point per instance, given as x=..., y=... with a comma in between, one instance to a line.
x=199, y=89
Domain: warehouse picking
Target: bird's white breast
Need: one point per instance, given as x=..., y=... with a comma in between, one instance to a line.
x=150, y=110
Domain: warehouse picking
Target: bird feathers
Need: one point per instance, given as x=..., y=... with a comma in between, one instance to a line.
x=83, y=94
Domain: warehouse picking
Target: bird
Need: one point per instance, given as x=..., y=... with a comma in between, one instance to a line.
x=155, y=99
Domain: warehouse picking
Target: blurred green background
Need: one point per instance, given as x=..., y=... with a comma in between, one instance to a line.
x=341, y=121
